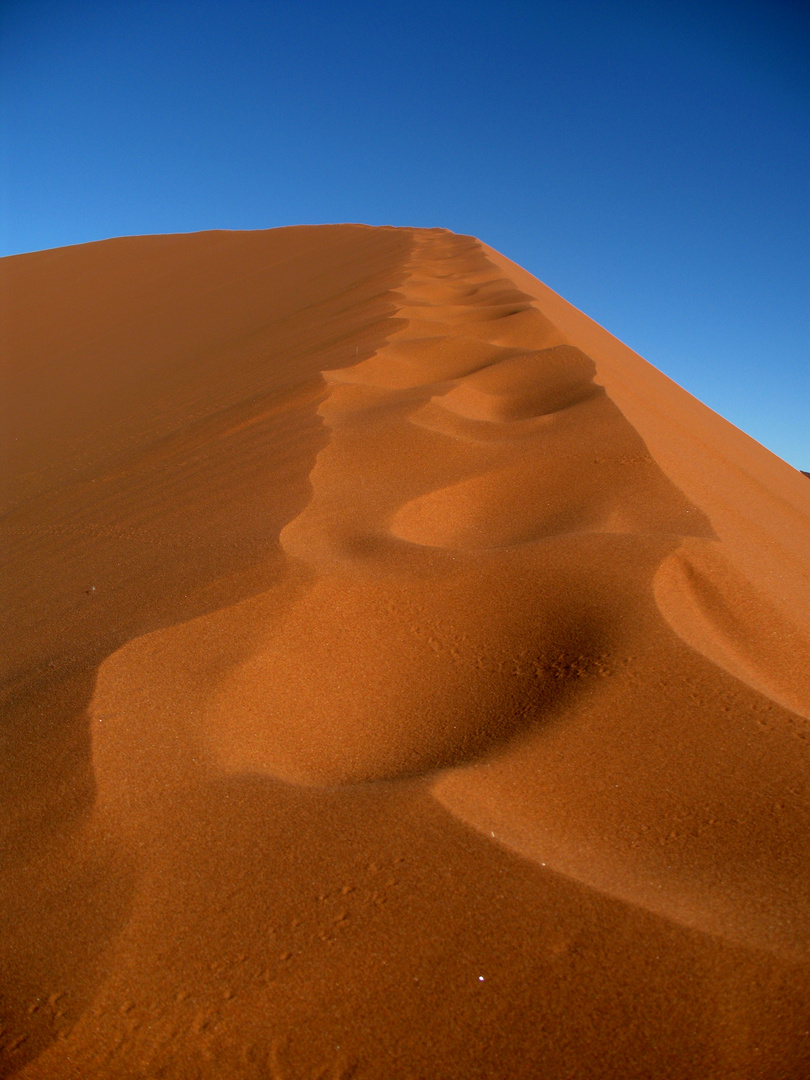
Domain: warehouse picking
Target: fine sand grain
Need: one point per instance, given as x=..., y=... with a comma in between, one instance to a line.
x=402, y=678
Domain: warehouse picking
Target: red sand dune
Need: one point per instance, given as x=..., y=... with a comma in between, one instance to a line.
x=402, y=679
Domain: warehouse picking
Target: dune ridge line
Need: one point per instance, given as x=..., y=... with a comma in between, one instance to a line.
x=379, y=664
x=407, y=679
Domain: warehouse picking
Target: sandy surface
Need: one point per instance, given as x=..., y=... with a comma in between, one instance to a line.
x=402, y=678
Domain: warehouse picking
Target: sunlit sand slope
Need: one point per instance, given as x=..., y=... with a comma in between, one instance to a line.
x=409, y=679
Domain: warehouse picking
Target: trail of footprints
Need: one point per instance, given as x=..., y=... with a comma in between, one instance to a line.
x=504, y=436
x=476, y=365
x=473, y=441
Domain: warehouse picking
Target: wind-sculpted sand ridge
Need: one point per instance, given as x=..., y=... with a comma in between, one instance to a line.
x=397, y=633
x=490, y=762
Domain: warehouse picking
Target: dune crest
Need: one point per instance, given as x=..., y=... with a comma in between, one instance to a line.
x=378, y=665
x=412, y=648
x=434, y=684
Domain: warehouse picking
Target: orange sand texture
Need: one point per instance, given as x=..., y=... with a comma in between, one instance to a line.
x=402, y=679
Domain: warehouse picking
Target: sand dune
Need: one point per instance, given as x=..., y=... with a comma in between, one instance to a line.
x=404, y=679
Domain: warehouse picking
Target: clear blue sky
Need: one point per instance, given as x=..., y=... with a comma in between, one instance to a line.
x=649, y=161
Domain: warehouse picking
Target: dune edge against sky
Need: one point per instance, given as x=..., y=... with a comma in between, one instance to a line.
x=241, y=566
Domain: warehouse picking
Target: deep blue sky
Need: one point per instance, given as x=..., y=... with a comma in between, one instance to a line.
x=649, y=161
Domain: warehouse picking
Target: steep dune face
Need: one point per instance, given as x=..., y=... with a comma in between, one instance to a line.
x=514, y=604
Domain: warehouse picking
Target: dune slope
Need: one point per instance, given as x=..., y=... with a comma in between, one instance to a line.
x=404, y=678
